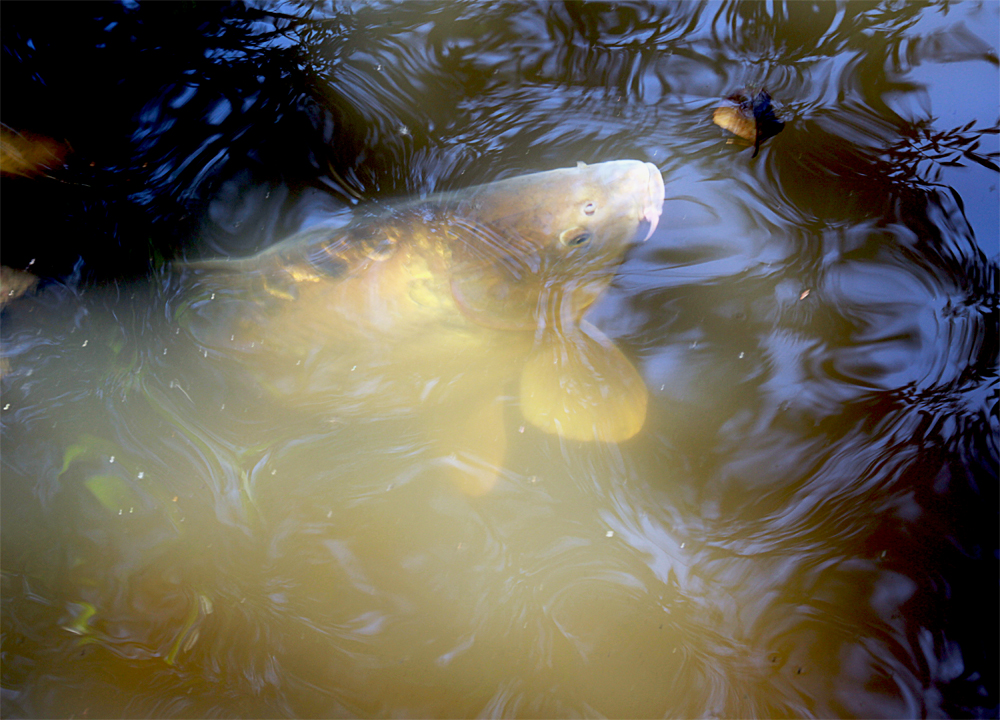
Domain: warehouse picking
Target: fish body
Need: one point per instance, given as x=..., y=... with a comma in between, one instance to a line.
x=441, y=301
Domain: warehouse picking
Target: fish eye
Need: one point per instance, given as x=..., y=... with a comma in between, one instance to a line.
x=589, y=208
x=574, y=237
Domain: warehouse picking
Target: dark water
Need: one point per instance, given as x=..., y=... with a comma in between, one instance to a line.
x=805, y=526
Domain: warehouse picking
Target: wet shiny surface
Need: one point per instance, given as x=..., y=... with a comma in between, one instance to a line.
x=806, y=523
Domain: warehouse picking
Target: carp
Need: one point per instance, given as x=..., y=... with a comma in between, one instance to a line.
x=440, y=303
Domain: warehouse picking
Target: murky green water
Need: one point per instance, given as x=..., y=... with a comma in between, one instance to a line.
x=805, y=526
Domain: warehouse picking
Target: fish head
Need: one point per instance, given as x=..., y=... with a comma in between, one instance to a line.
x=533, y=253
x=536, y=247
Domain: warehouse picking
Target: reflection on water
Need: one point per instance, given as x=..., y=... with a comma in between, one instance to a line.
x=804, y=526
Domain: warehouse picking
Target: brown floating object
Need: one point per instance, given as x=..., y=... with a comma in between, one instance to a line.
x=14, y=284
x=28, y=154
x=751, y=118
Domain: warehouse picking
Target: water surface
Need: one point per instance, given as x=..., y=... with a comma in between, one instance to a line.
x=805, y=526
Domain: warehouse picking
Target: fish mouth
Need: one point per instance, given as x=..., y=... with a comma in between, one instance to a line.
x=653, y=205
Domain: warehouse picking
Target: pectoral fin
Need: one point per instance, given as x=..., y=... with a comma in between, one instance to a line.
x=582, y=387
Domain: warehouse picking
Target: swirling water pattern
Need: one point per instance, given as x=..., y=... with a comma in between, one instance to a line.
x=806, y=524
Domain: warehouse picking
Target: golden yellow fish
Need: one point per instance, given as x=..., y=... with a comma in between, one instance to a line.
x=440, y=303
